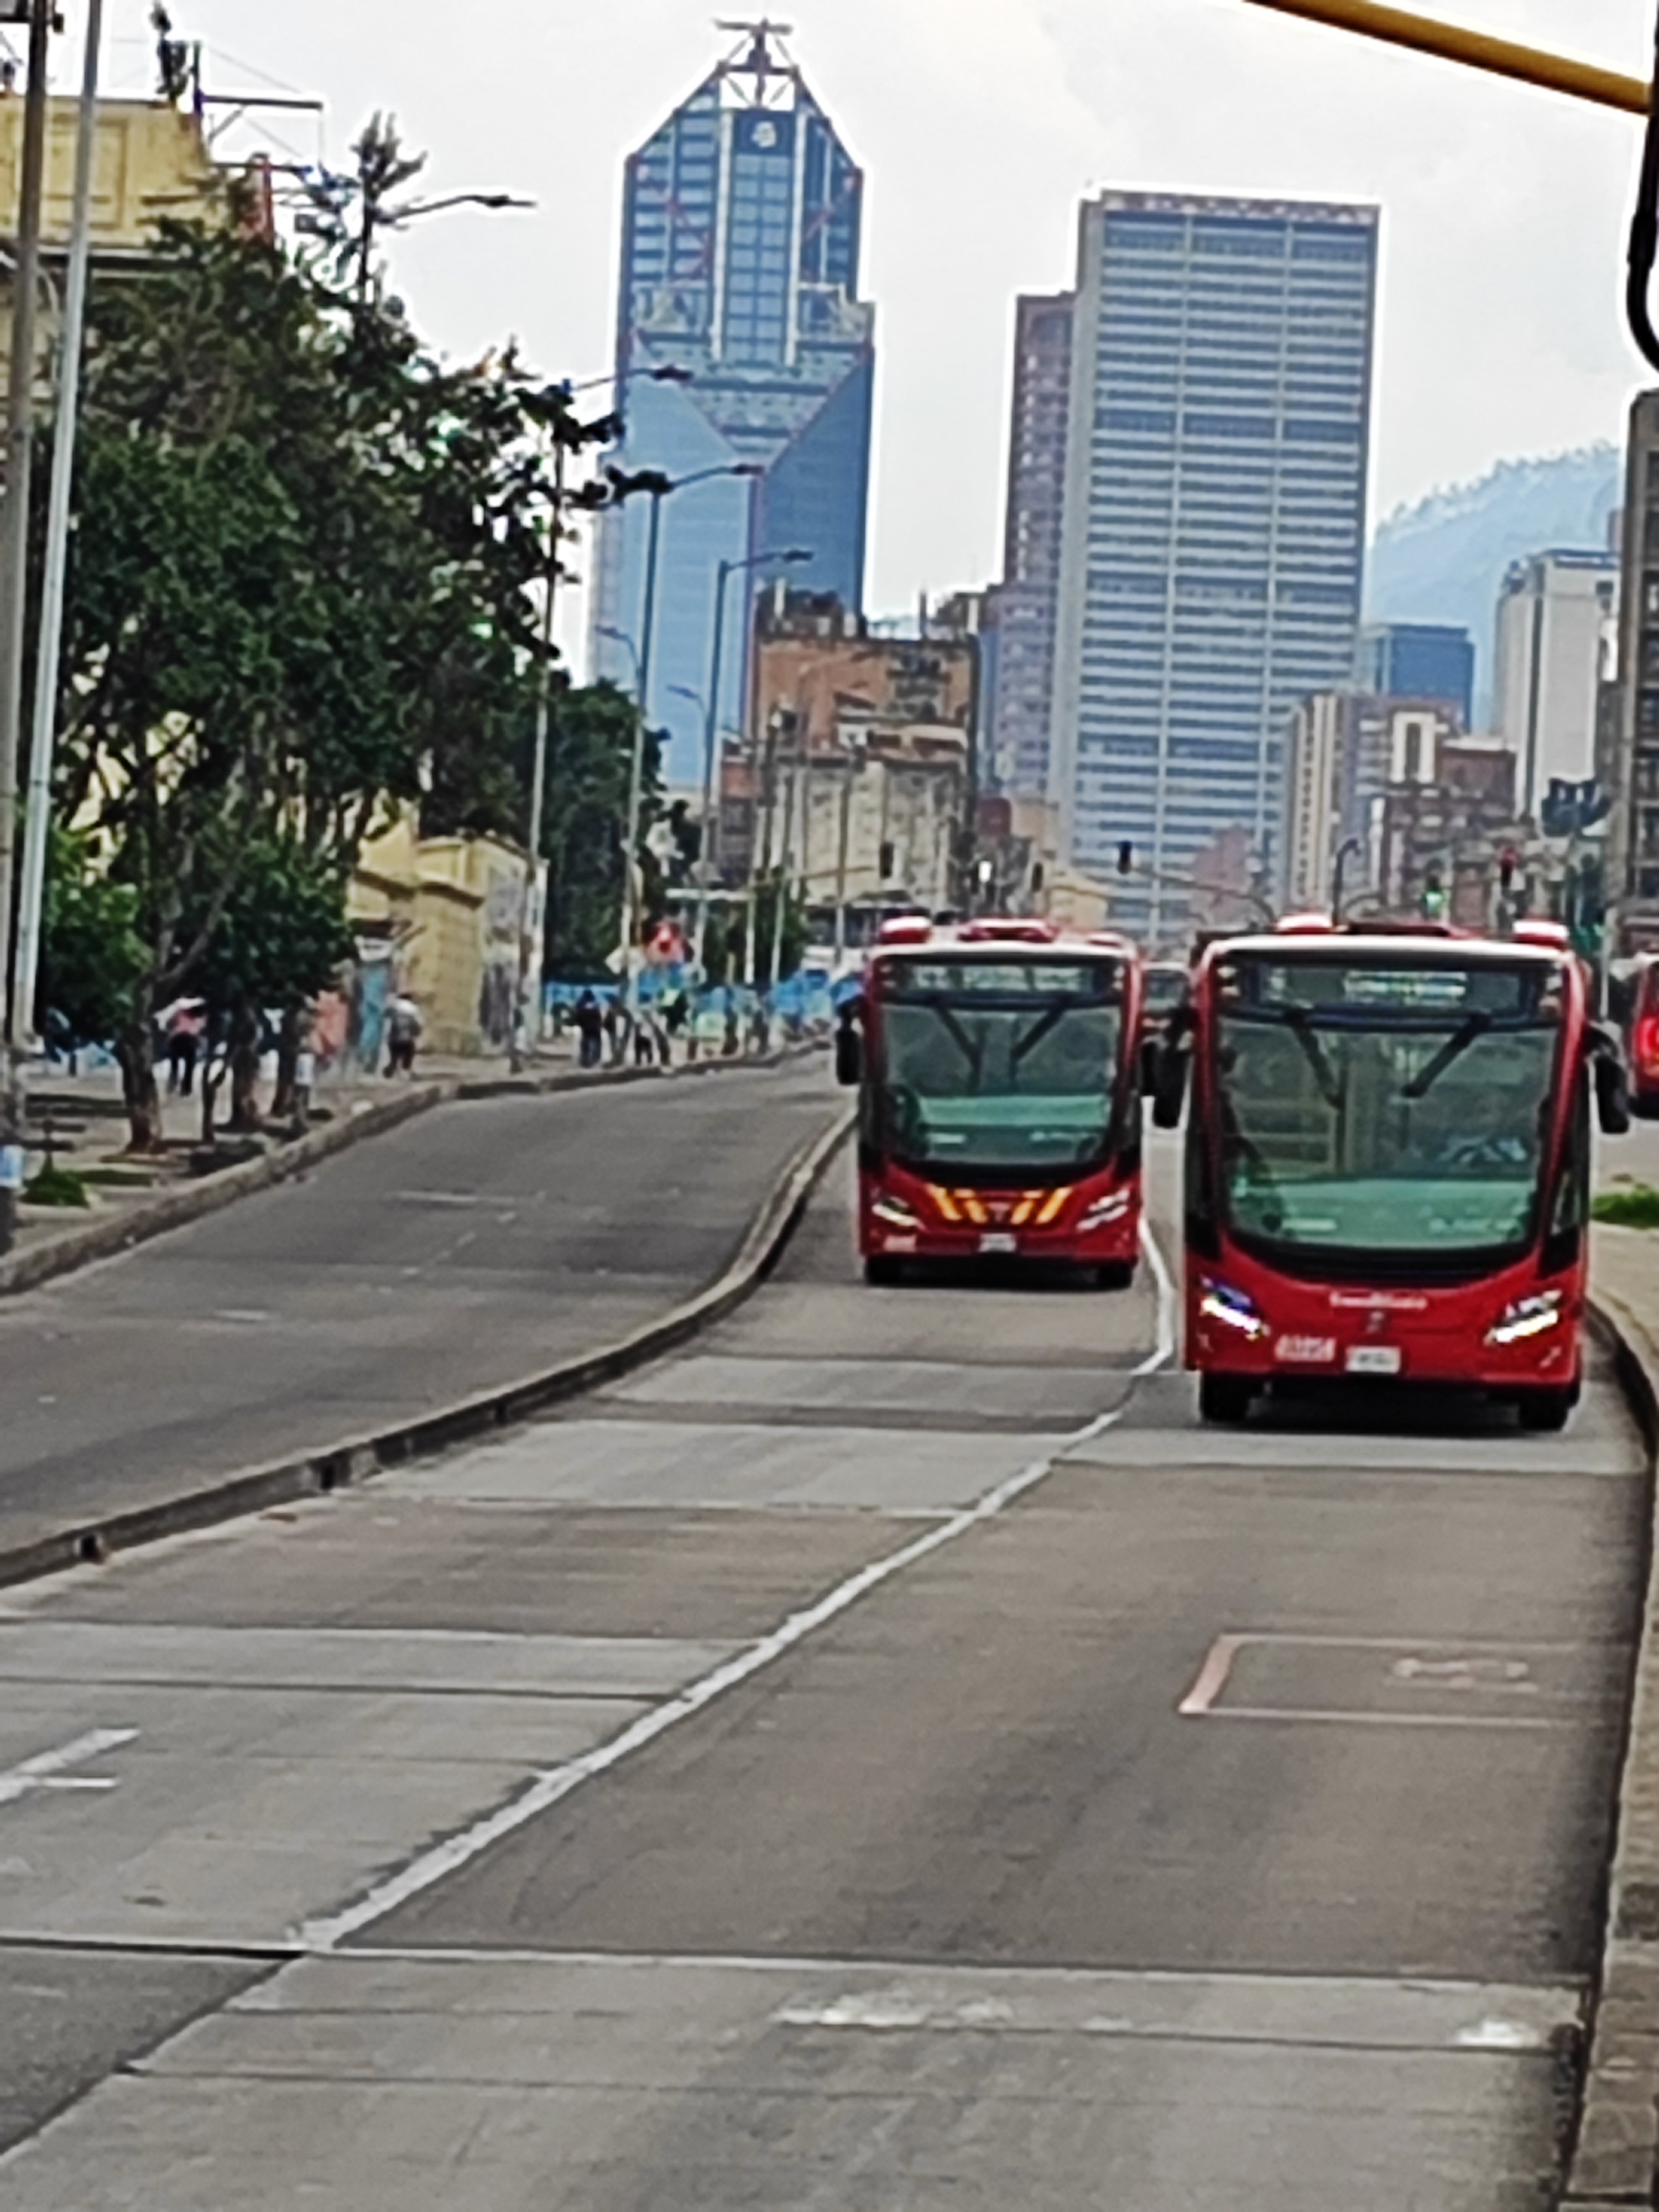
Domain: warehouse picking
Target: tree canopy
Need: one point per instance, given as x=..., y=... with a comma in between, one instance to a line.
x=304, y=593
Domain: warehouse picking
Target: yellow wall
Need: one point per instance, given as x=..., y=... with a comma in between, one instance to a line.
x=453, y=905
x=149, y=162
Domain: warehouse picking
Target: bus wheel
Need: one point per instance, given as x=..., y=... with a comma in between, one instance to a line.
x=1546, y=1412
x=881, y=1269
x=1114, y=1275
x=1224, y=1398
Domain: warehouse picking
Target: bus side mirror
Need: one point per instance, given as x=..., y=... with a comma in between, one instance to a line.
x=1611, y=1083
x=1151, y=1059
x=1169, y=1084
x=849, y=1052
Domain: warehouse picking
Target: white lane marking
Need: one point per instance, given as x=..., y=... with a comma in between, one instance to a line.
x=47, y=1770
x=1494, y=2035
x=1471, y=1663
x=547, y=1789
x=1351, y=1719
x=1166, y=1305
x=554, y=1783
x=1211, y=1675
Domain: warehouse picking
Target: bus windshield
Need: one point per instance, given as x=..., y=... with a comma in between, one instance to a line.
x=1368, y=1110
x=999, y=1066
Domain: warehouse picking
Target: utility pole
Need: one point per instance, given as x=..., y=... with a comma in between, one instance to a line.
x=27, y=958
x=527, y=1013
x=14, y=577
x=630, y=924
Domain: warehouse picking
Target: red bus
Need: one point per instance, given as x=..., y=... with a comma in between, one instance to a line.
x=1387, y=1166
x=998, y=1071
x=1642, y=1036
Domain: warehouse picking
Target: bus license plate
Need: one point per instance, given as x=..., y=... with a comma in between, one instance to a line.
x=1374, y=1359
x=999, y=1240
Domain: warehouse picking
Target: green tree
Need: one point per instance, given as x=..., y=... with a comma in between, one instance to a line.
x=92, y=954
x=280, y=939
x=590, y=761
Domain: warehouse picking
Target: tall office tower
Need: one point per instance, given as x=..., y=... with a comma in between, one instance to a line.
x=1627, y=761
x=1419, y=660
x=1023, y=701
x=1558, y=630
x=1213, y=530
x=740, y=265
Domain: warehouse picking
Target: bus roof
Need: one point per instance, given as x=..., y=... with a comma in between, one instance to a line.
x=996, y=938
x=1387, y=948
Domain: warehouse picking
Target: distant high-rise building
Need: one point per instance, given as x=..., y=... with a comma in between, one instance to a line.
x=1214, y=522
x=1022, y=700
x=1420, y=660
x=1558, y=622
x=1343, y=751
x=739, y=264
x=1628, y=757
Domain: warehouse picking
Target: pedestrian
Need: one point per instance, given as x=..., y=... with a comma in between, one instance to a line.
x=590, y=1029
x=183, y=1042
x=403, y=1034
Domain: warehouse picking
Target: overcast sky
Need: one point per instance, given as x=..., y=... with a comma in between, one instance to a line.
x=980, y=123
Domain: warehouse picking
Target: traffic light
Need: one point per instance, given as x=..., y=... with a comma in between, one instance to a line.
x=1126, y=858
x=888, y=857
x=1508, y=861
x=1434, y=896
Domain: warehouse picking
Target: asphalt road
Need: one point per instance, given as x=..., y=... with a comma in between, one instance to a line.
x=884, y=1757
x=473, y=1246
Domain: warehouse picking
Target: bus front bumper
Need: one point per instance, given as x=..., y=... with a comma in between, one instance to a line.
x=1510, y=1332
x=1092, y=1223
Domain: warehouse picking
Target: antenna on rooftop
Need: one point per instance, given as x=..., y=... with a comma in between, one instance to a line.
x=759, y=62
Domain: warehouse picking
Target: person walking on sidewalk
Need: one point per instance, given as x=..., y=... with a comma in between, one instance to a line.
x=184, y=1024
x=403, y=1034
x=590, y=1028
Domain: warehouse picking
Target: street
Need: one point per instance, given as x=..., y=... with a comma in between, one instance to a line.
x=481, y=1244
x=885, y=1755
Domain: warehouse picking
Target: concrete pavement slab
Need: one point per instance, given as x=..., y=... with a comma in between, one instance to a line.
x=624, y=1464
x=674, y=2084
x=375, y=1558
x=68, y=2017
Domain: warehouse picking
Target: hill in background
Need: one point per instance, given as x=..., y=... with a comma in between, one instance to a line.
x=1443, y=560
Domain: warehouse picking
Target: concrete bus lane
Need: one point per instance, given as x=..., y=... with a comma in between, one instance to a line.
x=476, y=1245
x=884, y=1754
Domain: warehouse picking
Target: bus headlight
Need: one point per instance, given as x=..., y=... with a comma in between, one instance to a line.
x=1112, y=1207
x=1526, y=1317
x=894, y=1212
x=1233, y=1309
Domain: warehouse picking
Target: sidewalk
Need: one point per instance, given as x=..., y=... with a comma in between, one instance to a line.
x=1616, y=2159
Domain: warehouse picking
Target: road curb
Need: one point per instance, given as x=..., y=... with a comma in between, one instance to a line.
x=1616, y=2156
x=137, y=1224
x=339, y=1466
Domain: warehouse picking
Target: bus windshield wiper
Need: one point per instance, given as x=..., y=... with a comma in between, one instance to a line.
x=957, y=1034
x=1454, y=1048
x=1300, y=1024
x=1039, y=1029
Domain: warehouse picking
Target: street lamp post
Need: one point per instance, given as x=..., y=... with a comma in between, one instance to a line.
x=14, y=572
x=528, y=1008
x=26, y=958
x=723, y=576
x=657, y=487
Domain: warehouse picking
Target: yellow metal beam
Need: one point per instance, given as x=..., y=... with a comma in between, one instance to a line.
x=1499, y=56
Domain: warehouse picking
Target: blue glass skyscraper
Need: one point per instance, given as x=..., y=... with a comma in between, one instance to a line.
x=1214, y=521
x=739, y=264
